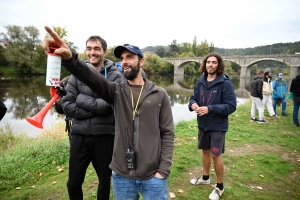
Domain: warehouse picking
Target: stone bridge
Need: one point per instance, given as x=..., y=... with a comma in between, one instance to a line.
x=292, y=60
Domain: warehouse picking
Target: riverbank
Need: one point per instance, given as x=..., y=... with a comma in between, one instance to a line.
x=261, y=161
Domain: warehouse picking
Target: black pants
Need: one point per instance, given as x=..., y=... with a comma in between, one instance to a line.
x=86, y=149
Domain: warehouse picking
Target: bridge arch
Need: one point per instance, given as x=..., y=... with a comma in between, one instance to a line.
x=293, y=60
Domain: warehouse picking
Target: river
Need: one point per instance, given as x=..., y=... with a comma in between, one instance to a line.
x=26, y=96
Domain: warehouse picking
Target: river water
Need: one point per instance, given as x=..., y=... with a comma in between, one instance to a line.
x=26, y=96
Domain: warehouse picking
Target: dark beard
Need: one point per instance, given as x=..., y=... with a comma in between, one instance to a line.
x=133, y=73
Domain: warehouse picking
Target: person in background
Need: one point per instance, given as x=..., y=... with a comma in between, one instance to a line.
x=93, y=125
x=280, y=88
x=295, y=89
x=3, y=110
x=267, y=92
x=257, y=98
x=213, y=100
x=144, y=139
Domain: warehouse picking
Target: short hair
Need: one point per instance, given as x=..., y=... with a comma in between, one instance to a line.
x=260, y=72
x=221, y=65
x=95, y=38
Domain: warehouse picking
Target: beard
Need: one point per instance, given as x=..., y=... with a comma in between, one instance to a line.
x=133, y=72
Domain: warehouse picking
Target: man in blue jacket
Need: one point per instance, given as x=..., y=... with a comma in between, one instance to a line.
x=280, y=88
x=213, y=100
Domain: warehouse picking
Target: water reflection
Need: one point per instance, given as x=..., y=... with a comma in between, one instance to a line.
x=26, y=96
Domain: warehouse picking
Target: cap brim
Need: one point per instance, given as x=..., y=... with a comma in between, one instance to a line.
x=119, y=50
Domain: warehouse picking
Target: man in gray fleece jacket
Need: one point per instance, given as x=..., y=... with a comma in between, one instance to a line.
x=144, y=137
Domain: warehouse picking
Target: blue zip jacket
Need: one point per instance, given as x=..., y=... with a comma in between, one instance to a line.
x=280, y=88
x=220, y=100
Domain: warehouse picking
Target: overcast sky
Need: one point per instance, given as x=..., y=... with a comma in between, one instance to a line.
x=227, y=24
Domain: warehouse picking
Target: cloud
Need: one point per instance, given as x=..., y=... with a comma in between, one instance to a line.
x=227, y=24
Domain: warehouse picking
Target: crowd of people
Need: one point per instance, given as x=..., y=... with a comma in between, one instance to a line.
x=263, y=90
x=122, y=122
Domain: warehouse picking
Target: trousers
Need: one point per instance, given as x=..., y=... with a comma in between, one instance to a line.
x=83, y=151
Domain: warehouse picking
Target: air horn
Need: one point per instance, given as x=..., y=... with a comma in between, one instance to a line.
x=52, y=79
x=37, y=120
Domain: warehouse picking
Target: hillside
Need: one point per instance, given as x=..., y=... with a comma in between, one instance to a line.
x=278, y=48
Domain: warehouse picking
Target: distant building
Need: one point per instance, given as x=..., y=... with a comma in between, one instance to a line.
x=3, y=43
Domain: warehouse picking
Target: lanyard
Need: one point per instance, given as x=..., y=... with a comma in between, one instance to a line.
x=134, y=109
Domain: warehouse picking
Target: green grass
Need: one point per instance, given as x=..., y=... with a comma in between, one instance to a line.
x=256, y=156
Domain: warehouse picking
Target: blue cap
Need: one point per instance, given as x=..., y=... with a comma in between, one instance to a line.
x=134, y=49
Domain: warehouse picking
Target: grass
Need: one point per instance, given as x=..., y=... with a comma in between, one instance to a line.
x=261, y=161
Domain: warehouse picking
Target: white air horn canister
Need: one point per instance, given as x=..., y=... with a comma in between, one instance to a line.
x=53, y=68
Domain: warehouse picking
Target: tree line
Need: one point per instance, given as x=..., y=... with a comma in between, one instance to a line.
x=25, y=54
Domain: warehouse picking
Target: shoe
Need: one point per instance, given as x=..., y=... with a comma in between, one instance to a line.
x=197, y=181
x=296, y=124
x=253, y=120
x=262, y=121
x=276, y=116
x=216, y=194
x=284, y=114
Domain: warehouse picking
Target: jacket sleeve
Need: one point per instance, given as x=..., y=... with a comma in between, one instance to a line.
x=193, y=98
x=91, y=77
x=259, y=88
x=70, y=107
x=228, y=104
x=274, y=89
x=94, y=105
x=3, y=110
x=167, y=135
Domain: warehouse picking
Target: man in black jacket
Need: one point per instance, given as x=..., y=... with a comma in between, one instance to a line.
x=93, y=125
x=295, y=89
x=257, y=98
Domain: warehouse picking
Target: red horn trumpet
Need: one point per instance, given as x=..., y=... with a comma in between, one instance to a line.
x=37, y=120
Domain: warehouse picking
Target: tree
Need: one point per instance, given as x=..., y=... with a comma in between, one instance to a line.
x=32, y=36
x=63, y=34
x=20, y=51
x=174, y=49
x=160, y=52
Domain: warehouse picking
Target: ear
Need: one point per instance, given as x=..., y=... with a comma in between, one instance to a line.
x=142, y=62
x=105, y=52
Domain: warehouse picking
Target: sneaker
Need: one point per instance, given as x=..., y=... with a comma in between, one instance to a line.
x=216, y=194
x=276, y=116
x=296, y=124
x=253, y=120
x=262, y=121
x=197, y=181
x=284, y=114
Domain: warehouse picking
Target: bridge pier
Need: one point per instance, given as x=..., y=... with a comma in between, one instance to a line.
x=244, y=76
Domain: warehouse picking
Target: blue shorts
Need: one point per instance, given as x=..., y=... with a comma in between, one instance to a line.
x=213, y=140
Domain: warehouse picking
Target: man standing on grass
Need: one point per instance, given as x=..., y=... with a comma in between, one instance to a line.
x=295, y=89
x=267, y=92
x=93, y=124
x=280, y=88
x=257, y=98
x=213, y=100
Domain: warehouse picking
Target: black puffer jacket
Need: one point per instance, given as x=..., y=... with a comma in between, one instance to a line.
x=256, y=87
x=91, y=115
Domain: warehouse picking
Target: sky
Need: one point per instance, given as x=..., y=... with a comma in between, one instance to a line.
x=226, y=24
